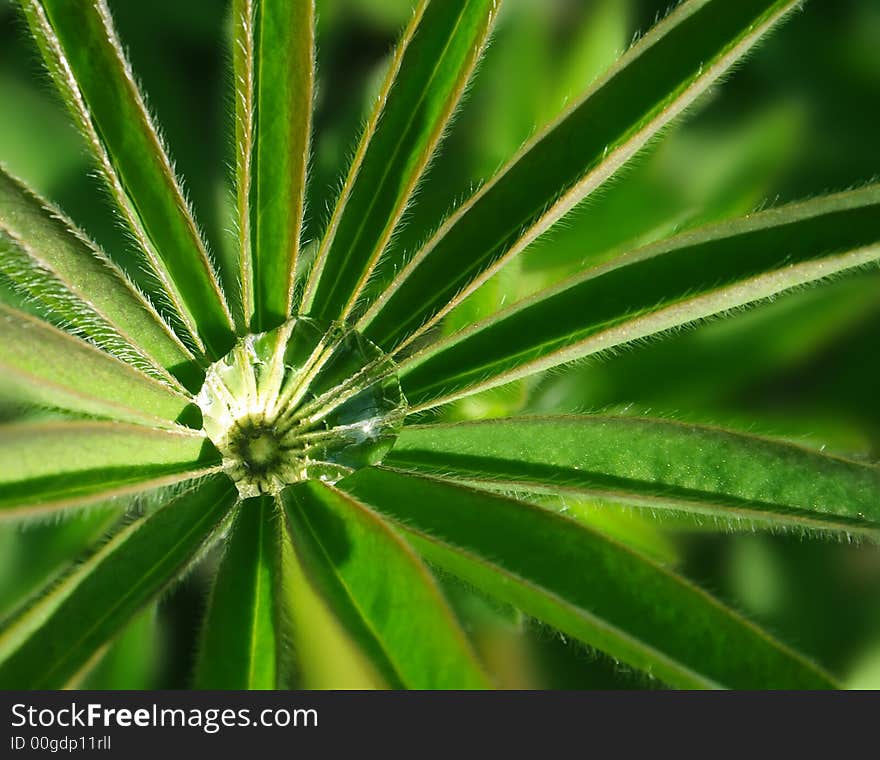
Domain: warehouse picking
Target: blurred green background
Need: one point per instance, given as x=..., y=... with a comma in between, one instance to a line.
x=799, y=117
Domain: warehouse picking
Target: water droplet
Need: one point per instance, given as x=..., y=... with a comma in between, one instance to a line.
x=306, y=401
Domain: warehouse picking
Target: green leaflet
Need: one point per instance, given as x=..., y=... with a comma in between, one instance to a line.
x=37, y=551
x=132, y=660
x=584, y=584
x=663, y=286
x=47, y=466
x=654, y=463
x=706, y=364
x=53, y=368
x=273, y=56
x=425, y=83
x=730, y=170
x=57, y=267
x=85, y=58
x=241, y=639
x=324, y=654
x=62, y=632
x=650, y=86
x=380, y=591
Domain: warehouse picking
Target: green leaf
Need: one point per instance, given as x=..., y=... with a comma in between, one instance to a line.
x=380, y=591
x=584, y=584
x=59, y=370
x=663, y=286
x=658, y=79
x=241, y=641
x=654, y=463
x=84, y=56
x=61, y=633
x=55, y=265
x=425, y=82
x=48, y=466
x=273, y=55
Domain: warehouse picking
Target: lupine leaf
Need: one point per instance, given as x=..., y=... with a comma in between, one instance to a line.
x=273, y=53
x=362, y=592
x=663, y=286
x=655, y=463
x=426, y=80
x=659, y=78
x=241, y=638
x=85, y=58
x=584, y=584
x=380, y=591
x=59, y=370
x=61, y=633
x=54, y=264
x=46, y=466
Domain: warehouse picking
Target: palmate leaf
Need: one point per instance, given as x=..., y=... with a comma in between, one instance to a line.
x=84, y=56
x=667, y=71
x=584, y=584
x=54, y=639
x=654, y=463
x=66, y=276
x=273, y=53
x=242, y=644
x=425, y=82
x=380, y=591
x=48, y=466
x=663, y=286
x=53, y=368
x=356, y=543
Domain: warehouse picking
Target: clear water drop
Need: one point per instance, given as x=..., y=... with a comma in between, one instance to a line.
x=306, y=401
